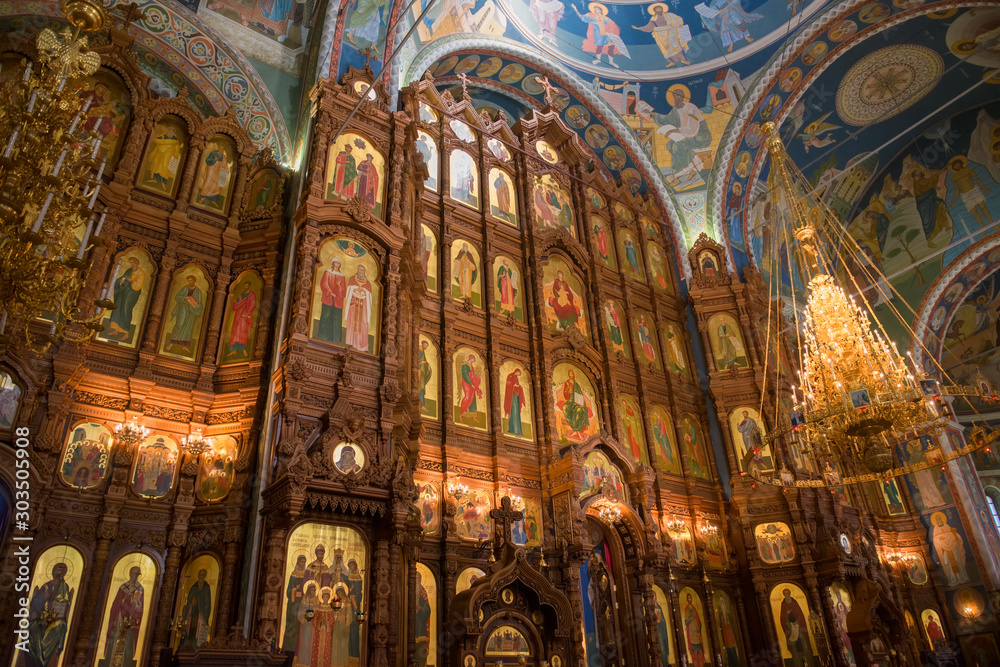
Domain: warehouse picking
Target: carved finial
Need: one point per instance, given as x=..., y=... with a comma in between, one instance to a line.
x=549, y=90
x=505, y=516
x=368, y=54
x=465, y=85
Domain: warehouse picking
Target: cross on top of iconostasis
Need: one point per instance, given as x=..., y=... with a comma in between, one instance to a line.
x=505, y=516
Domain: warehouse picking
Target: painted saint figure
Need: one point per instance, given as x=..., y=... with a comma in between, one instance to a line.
x=125, y=619
x=471, y=388
x=127, y=289
x=243, y=310
x=357, y=317
x=632, y=255
x=950, y=549
x=793, y=624
x=512, y=401
x=563, y=303
x=425, y=370
x=645, y=339
x=344, y=174
x=188, y=308
x=731, y=347
x=466, y=272
x=333, y=286
x=48, y=618
x=575, y=406
x=688, y=133
x=215, y=177
x=507, y=285
x=163, y=159
x=501, y=190
x=547, y=13
x=669, y=33
x=693, y=632
x=728, y=21
x=750, y=431
x=603, y=34
x=368, y=181
x=197, y=612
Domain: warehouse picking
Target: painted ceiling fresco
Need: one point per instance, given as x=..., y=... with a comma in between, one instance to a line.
x=889, y=110
x=181, y=50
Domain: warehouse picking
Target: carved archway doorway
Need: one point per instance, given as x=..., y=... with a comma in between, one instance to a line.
x=612, y=602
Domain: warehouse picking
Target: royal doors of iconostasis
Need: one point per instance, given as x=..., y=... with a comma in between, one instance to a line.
x=512, y=616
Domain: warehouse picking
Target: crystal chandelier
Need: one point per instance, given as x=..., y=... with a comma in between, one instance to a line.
x=609, y=513
x=856, y=396
x=131, y=433
x=49, y=182
x=456, y=489
x=196, y=444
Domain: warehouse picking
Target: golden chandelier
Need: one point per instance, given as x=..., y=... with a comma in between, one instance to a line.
x=855, y=395
x=49, y=182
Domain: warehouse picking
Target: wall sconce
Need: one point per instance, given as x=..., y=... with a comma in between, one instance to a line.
x=131, y=433
x=456, y=489
x=196, y=444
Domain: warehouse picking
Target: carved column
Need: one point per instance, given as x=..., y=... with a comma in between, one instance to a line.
x=190, y=169
x=764, y=611
x=167, y=264
x=230, y=558
x=571, y=579
x=269, y=611
x=86, y=631
x=381, y=614
x=649, y=606
x=839, y=650
x=264, y=317
x=210, y=353
x=168, y=588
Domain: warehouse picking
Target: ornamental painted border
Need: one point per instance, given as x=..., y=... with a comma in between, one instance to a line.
x=186, y=28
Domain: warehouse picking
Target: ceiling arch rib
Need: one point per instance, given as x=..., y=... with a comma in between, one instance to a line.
x=578, y=90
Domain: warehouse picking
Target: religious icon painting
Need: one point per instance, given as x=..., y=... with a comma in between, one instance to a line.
x=598, y=472
x=933, y=628
x=472, y=386
x=648, y=348
x=527, y=532
x=429, y=378
x=356, y=168
x=553, y=204
x=427, y=114
x=726, y=339
x=676, y=353
x=185, y=313
x=951, y=550
x=155, y=466
x=983, y=647
x=128, y=603
x=466, y=274
x=323, y=564
x=467, y=577
x=695, y=632
x=463, y=174
x=508, y=290
x=682, y=550
x=661, y=427
x=54, y=588
x=563, y=297
x=617, y=328
x=658, y=266
x=347, y=295
x=426, y=617
x=774, y=542
x=215, y=469
x=108, y=114
x=575, y=403
x=462, y=131
x=649, y=225
x=596, y=200
x=348, y=458
x=428, y=505
x=693, y=444
x=364, y=90
x=472, y=519
x=10, y=400
x=892, y=497
x=428, y=150
x=161, y=165
x=748, y=431
x=263, y=193
x=727, y=630
x=87, y=455
x=197, y=594
x=546, y=152
x=708, y=264
x=239, y=324
x=507, y=641
x=916, y=569
x=516, y=415
x=629, y=249
x=429, y=258
x=130, y=289
x=498, y=149
x=503, y=199
x=664, y=625
x=840, y=599
x=603, y=243
x=791, y=613
x=622, y=213
x=213, y=183
x=631, y=424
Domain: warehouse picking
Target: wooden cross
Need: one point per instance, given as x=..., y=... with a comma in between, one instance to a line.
x=465, y=91
x=505, y=516
x=130, y=12
x=368, y=54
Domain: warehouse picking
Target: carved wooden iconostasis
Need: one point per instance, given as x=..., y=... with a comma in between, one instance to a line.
x=139, y=547
x=465, y=411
